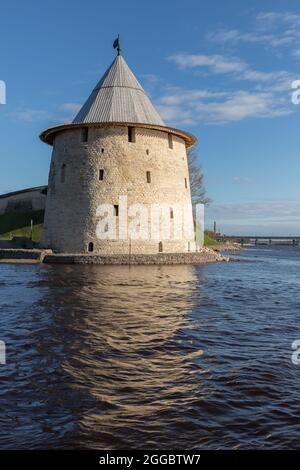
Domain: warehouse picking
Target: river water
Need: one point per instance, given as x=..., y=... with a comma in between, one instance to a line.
x=180, y=357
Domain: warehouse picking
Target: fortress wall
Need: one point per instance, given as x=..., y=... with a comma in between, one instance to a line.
x=70, y=220
x=23, y=201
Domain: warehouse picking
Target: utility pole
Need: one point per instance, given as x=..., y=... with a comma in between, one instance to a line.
x=215, y=228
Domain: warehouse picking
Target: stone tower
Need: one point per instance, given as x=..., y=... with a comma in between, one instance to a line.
x=117, y=148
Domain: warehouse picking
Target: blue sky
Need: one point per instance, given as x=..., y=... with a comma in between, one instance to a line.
x=221, y=70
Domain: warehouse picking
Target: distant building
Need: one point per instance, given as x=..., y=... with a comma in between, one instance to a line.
x=117, y=145
x=26, y=200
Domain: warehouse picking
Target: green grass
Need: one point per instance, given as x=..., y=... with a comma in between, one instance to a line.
x=208, y=241
x=17, y=224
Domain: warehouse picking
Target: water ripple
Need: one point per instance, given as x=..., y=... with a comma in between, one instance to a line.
x=151, y=357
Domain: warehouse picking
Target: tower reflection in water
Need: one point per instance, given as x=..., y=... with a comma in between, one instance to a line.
x=128, y=372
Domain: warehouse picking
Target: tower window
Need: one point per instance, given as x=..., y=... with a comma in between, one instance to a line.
x=116, y=211
x=63, y=173
x=102, y=150
x=171, y=213
x=170, y=139
x=147, y=151
x=101, y=175
x=185, y=182
x=131, y=134
x=84, y=134
x=91, y=247
x=160, y=247
x=148, y=174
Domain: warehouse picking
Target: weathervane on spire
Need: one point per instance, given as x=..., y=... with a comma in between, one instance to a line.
x=117, y=45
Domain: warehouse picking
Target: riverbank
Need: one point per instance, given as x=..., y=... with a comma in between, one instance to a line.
x=229, y=246
x=205, y=256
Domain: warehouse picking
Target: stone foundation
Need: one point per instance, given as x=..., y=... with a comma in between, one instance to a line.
x=207, y=256
x=19, y=254
x=46, y=256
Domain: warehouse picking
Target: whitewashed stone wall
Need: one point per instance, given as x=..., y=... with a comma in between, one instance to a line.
x=70, y=219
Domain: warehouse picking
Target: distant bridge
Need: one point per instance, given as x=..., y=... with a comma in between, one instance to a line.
x=260, y=240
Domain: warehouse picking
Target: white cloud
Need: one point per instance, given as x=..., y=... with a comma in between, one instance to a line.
x=243, y=180
x=64, y=113
x=150, y=78
x=242, y=104
x=296, y=52
x=272, y=209
x=271, y=29
x=216, y=63
x=258, y=76
x=269, y=97
x=256, y=218
x=237, y=68
x=31, y=115
x=178, y=96
x=271, y=19
x=201, y=106
x=178, y=115
x=235, y=36
x=71, y=107
x=255, y=37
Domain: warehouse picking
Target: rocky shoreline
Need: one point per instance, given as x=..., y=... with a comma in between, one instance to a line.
x=227, y=247
x=204, y=256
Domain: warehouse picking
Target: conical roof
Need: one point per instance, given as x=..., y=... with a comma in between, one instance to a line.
x=118, y=97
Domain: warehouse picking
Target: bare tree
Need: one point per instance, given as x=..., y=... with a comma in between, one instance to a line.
x=198, y=190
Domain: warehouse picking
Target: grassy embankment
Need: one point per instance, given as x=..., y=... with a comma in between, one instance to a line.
x=17, y=224
x=209, y=241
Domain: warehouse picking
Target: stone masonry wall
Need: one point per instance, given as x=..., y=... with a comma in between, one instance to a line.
x=73, y=198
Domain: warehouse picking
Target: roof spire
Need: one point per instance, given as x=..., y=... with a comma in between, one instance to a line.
x=117, y=45
x=118, y=97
